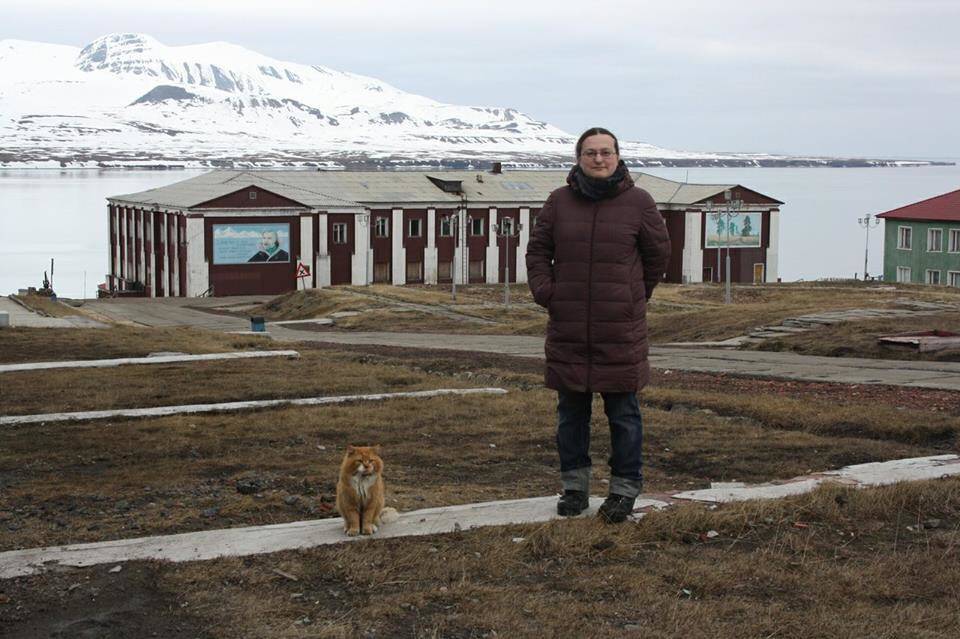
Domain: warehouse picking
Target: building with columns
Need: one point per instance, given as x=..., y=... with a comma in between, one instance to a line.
x=268, y=232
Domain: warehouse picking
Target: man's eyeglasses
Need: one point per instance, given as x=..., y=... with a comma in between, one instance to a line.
x=604, y=153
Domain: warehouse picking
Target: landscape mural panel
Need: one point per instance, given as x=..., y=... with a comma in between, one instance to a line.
x=741, y=231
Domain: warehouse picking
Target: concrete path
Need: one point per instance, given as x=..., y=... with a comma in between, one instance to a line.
x=22, y=317
x=173, y=358
x=847, y=370
x=255, y=540
x=160, y=411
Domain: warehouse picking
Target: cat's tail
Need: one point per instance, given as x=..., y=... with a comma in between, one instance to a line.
x=389, y=515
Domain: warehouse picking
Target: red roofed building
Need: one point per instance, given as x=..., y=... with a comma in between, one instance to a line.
x=922, y=242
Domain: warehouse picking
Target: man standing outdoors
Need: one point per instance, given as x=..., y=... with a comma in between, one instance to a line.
x=599, y=248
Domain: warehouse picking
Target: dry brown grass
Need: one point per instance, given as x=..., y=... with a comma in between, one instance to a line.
x=46, y=306
x=859, y=339
x=20, y=345
x=852, y=570
x=676, y=313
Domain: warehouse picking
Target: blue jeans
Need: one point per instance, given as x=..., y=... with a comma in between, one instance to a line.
x=626, y=441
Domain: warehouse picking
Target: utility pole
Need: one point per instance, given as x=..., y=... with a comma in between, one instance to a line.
x=507, y=229
x=866, y=222
x=733, y=210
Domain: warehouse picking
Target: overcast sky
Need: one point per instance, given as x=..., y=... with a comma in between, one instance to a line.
x=876, y=78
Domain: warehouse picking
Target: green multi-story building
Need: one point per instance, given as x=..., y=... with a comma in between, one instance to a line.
x=922, y=242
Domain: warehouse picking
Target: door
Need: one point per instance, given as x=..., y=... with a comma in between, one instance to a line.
x=758, y=273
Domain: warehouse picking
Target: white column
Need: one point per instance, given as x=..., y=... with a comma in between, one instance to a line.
x=430, y=258
x=306, y=249
x=772, y=270
x=165, y=256
x=175, y=251
x=138, y=233
x=493, y=251
x=115, y=223
x=692, y=269
x=522, y=245
x=398, y=252
x=322, y=267
x=198, y=271
x=362, y=255
x=461, y=252
x=152, y=257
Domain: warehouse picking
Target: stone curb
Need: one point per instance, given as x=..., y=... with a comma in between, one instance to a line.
x=254, y=540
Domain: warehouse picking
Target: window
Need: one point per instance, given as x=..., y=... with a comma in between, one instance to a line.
x=381, y=272
x=934, y=240
x=953, y=278
x=415, y=228
x=933, y=277
x=954, y=243
x=253, y=195
x=903, y=274
x=904, y=240
x=476, y=226
x=533, y=221
x=476, y=270
x=339, y=233
x=444, y=271
x=414, y=271
x=446, y=227
x=506, y=226
x=381, y=227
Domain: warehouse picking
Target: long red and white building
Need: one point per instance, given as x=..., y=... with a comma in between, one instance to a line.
x=253, y=232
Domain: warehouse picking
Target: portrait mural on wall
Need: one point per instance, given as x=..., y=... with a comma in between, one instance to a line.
x=251, y=243
x=740, y=231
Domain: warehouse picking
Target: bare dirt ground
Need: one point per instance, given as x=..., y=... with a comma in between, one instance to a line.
x=846, y=560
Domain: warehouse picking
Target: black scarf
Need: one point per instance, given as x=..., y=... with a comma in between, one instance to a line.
x=597, y=188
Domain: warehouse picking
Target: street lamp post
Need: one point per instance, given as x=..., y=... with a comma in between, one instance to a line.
x=733, y=210
x=454, y=220
x=723, y=216
x=507, y=229
x=866, y=222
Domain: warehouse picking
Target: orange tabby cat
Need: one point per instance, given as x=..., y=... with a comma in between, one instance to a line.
x=360, y=491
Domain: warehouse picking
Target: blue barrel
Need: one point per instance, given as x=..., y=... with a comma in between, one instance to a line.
x=257, y=325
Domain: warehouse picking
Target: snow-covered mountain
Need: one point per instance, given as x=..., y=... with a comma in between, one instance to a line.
x=127, y=99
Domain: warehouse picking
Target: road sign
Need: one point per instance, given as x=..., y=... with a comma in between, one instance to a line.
x=303, y=270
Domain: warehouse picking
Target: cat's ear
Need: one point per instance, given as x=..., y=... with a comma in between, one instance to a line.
x=350, y=449
x=376, y=448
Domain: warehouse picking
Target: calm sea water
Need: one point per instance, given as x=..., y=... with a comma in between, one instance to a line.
x=48, y=214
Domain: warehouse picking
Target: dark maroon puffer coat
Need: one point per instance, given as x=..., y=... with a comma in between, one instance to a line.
x=593, y=265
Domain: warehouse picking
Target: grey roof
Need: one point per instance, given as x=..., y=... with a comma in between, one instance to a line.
x=203, y=188
x=336, y=189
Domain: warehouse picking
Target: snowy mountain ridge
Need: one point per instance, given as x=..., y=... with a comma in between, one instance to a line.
x=127, y=99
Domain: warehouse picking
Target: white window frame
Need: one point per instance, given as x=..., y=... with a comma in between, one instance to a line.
x=953, y=244
x=415, y=222
x=935, y=246
x=905, y=238
x=476, y=223
x=381, y=227
x=446, y=226
x=929, y=276
x=904, y=274
x=339, y=232
x=953, y=278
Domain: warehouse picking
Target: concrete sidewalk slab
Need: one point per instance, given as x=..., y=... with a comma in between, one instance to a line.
x=254, y=540
x=158, y=359
x=161, y=411
x=21, y=317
